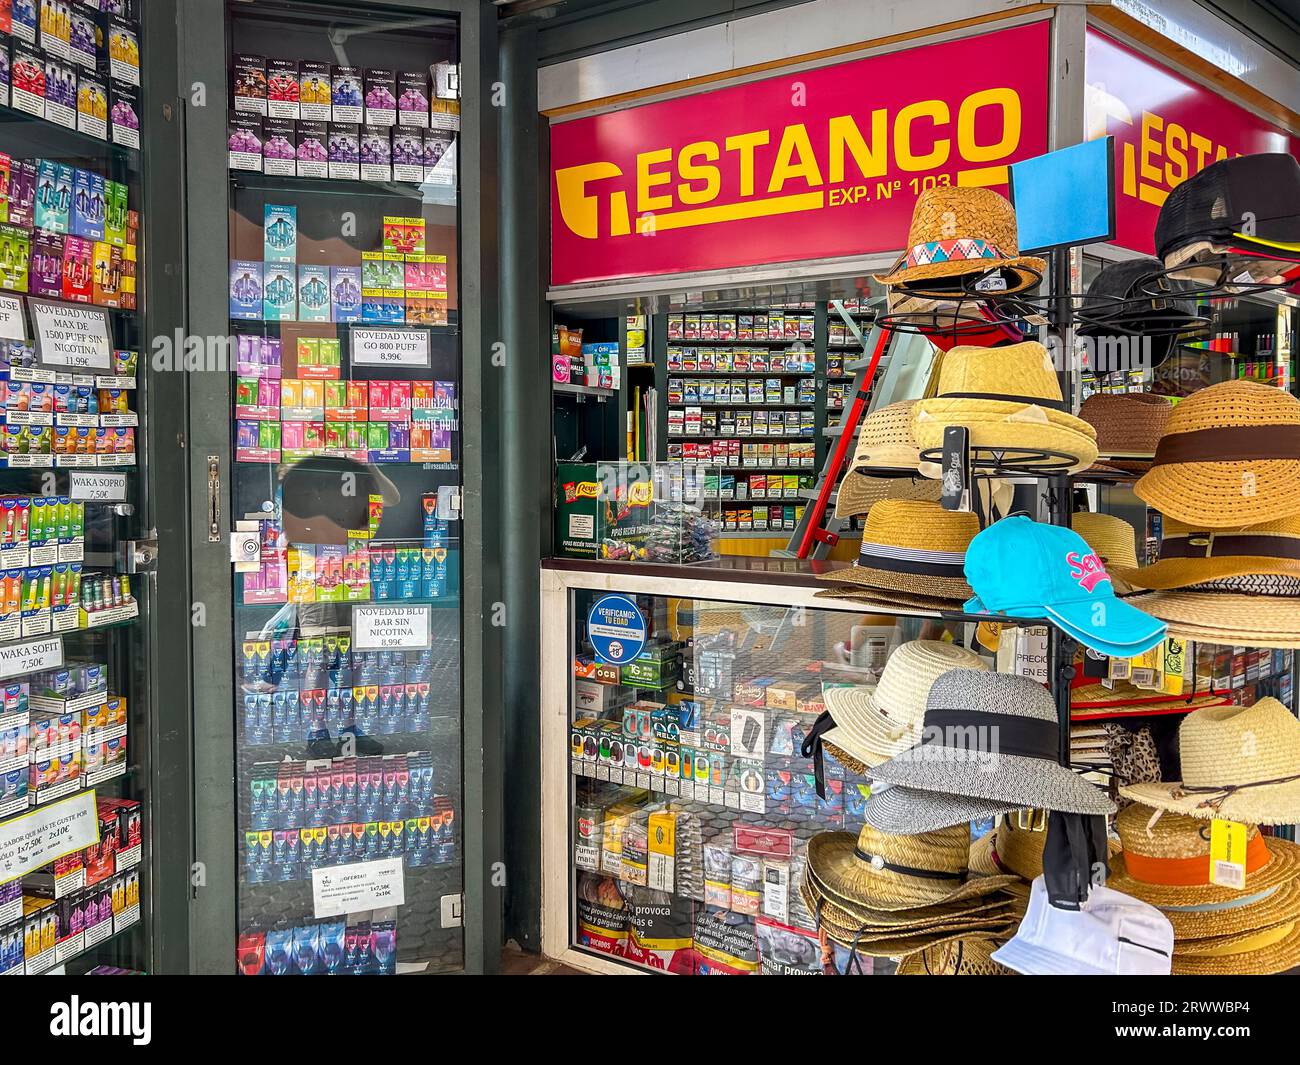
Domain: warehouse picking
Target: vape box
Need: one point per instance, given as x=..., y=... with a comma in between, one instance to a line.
x=279, y=292
x=344, y=151
x=115, y=213
x=92, y=106
x=27, y=81
x=4, y=70
x=381, y=97
x=346, y=94
x=15, y=253
x=124, y=52
x=280, y=147
x=246, y=290
x=23, y=20
x=56, y=27
x=313, y=293
x=108, y=276
x=345, y=293
x=82, y=47
x=249, y=77
x=244, y=141
x=78, y=269
x=439, y=157
x=46, y=274
x=313, y=149
x=413, y=98
x=53, y=196
x=314, y=92
x=408, y=154
x=88, y=205
x=376, y=153
x=282, y=88
x=279, y=233
x=22, y=192
x=60, y=92
x=124, y=115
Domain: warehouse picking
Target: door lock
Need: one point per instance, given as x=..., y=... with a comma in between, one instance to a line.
x=214, y=499
x=138, y=556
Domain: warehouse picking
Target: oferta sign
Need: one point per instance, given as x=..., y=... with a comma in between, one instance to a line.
x=810, y=164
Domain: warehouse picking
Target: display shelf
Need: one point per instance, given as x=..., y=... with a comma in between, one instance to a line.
x=444, y=602
x=747, y=406
x=253, y=181
x=569, y=388
x=765, y=342
x=39, y=137
x=720, y=436
x=78, y=945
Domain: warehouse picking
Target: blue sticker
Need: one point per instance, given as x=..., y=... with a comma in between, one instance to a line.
x=617, y=629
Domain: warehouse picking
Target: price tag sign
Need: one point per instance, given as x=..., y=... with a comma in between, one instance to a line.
x=97, y=487
x=38, y=838
x=340, y=889
x=23, y=658
x=71, y=336
x=12, y=326
x=390, y=628
x=390, y=347
x=1228, y=854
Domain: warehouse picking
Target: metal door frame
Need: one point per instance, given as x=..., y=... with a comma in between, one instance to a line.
x=212, y=916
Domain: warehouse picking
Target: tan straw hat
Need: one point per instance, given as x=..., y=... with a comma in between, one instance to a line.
x=1229, y=456
x=1194, y=554
x=859, y=492
x=1009, y=398
x=1014, y=848
x=1225, y=617
x=1128, y=426
x=1264, y=952
x=967, y=956
x=1112, y=538
x=884, y=442
x=875, y=722
x=879, y=871
x=959, y=232
x=1241, y=763
x=1095, y=700
x=915, y=547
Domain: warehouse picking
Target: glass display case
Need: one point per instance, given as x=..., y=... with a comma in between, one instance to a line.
x=345, y=490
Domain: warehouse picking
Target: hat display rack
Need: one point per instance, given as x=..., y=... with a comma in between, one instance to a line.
x=1149, y=298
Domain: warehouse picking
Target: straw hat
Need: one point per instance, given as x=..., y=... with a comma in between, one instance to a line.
x=967, y=956
x=881, y=601
x=1009, y=398
x=1194, y=554
x=1096, y=700
x=1261, y=953
x=1225, y=617
x=915, y=547
x=907, y=811
x=958, y=232
x=993, y=736
x=1241, y=763
x=1112, y=538
x=880, y=871
x=1229, y=456
x=875, y=722
x=884, y=442
x=1128, y=426
x=946, y=918
x=859, y=492
x=1010, y=850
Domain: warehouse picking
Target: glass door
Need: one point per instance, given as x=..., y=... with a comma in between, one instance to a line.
x=76, y=828
x=345, y=488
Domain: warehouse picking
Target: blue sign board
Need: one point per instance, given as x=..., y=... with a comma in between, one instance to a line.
x=616, y=628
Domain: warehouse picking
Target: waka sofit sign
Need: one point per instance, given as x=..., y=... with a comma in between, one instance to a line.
x=811, y=164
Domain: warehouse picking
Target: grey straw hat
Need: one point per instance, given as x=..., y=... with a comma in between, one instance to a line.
x=907, y=811
x=992, y=736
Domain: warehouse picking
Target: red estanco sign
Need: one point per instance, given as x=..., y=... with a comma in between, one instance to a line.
x=1167, y=128
x=811, y=164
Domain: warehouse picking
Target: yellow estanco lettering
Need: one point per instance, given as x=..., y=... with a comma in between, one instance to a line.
x=794, y=142
x=1203, y=148
x=1008, y=100
x=689, y=171
x=647, y=181
x=873, y=159
x=1152, y=126
x=1176, y=152
x=745, y=143
x=937, y=111
x=580, y=211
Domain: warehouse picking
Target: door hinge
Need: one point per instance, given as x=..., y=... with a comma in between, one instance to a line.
x=448, y=502
x=138, y=556
x=453, y=907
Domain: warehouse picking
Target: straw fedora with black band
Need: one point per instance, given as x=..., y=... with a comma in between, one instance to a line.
x=912, y=546
x=875, y=722
x=1240, y=763
x=1128, y=428
x=1009, y=398
x=1113, y=539
x=1229, y=456
x=993, y=736
x=1196, y=554
x=959, y=232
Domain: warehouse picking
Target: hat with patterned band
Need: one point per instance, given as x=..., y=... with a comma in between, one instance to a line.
x=967, y=956
x=957, y=233
x=1229, y=456
x=912, y=546
x=1196, y=554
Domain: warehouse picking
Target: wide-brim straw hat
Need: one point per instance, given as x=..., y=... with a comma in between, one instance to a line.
x=1009, y=851
x=1096, y=700
x=1225, y=617
x=1194, y=554
x=1240, y=763
x=880, y=871
x=1128, y=426
x=1194, y=477
x=967, y=956
x=1114, y=539
x=956, y=232
x=1167, y=863
x=946, y=917
x=881, y=601
x=859, y=492
x=912, y=546
x=1009, y=398
x=885, y=439
x=875, y=722
x=907, y=811
x=945, y=762
x=1264, y=953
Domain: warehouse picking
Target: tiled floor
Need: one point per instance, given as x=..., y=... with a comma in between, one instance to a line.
x=514, y=962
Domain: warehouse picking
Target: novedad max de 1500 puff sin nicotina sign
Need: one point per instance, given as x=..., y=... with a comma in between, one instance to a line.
x=811, y=164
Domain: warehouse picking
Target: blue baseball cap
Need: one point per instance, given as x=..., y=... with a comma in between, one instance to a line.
x=1027, y=569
